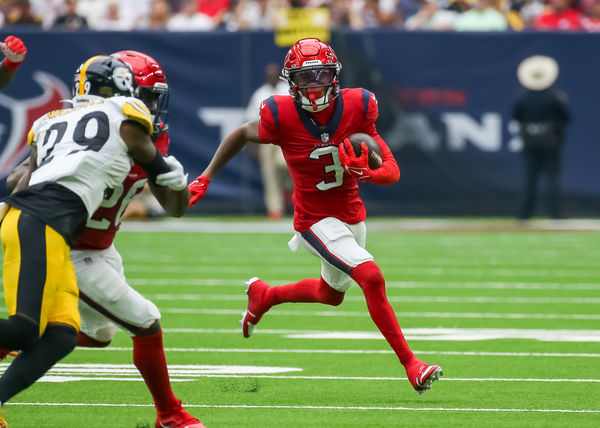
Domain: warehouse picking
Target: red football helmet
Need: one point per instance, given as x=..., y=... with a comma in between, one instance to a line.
x=311, y=69
x=152, y=86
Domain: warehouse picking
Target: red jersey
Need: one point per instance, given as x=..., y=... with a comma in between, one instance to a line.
x=100, y=229
x=568, y=20
x=321, y=189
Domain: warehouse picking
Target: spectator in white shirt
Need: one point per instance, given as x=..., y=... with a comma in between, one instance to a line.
x=189, y=19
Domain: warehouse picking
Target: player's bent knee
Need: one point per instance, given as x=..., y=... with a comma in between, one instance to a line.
x=25, y=332
x=149, y=331
x=63, y=338
x=368, y=276
x=329, y=295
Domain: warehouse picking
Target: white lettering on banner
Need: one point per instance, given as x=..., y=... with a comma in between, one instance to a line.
x=515, y=144
x=462, y=128
x=227, y=118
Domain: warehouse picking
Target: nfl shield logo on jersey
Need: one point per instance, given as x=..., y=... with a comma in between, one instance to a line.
x=324, y=137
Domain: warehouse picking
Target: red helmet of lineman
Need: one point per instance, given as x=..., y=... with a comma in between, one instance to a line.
x=152, y=86
x=311, y=69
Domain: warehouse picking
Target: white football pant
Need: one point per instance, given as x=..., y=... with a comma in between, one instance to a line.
x=106, y=301
x=340, y=246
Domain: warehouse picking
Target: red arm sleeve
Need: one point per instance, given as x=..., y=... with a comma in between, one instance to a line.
x=388, y=172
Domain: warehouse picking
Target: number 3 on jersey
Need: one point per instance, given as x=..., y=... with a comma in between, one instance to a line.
x=334, y=171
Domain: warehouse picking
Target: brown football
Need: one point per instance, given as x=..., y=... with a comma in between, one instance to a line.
x=375, y=159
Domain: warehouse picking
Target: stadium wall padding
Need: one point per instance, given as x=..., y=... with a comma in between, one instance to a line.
x=445, y=104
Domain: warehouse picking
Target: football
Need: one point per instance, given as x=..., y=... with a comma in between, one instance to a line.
x=375, y=159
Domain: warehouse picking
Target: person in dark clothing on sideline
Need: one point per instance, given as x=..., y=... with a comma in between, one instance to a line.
x=542, y=113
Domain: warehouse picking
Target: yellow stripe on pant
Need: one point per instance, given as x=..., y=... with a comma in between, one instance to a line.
x=39, y=284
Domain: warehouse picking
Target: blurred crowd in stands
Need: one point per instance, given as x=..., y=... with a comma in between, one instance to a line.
x=233, y=15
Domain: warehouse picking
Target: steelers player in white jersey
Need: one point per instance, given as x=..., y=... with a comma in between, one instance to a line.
x=76, y=154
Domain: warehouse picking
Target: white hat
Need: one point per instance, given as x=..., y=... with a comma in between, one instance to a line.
x=537, y=72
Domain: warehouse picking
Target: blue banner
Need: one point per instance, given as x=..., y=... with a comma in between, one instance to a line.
x=445, y=105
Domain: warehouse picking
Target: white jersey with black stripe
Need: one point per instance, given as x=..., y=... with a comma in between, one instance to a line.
x=81, y=148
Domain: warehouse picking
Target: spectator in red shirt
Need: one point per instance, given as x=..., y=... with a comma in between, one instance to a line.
x=216, y=9
x=559, y=16
x=591, y=22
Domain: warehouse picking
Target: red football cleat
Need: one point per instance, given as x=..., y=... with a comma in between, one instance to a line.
x=5, y=352
x=255, y=291
x=178, y=418
x=421, y=375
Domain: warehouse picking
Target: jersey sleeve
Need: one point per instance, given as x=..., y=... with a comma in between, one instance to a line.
x=372, y=108
x=268, y=121
x=388, y=172
x=137, y=111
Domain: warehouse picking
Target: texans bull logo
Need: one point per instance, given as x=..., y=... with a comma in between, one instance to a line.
x=23, y=114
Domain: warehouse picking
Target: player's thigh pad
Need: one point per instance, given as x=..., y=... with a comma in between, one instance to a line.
x=39, y=279
x=340, y=247
x=103, y=287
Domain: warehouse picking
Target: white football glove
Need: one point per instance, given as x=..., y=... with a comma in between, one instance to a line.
x=175, y=179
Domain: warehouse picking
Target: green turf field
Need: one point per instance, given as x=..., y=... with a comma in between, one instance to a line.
x=512, y=317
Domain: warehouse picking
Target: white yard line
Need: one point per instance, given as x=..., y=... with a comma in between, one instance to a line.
x=327, y=314
x=244, y=406
x=317, y=313
x=468, y=272
x=428, y=334
x=355, y=351
x=217, y=282
x=125, y=372
x=416, y=299
x=374, y=225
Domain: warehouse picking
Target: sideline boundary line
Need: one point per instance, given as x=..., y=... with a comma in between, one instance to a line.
x=245, y=406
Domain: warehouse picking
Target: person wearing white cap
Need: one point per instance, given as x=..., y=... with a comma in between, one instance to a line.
x=542, y=113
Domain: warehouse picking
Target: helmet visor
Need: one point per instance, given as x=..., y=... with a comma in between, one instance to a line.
x=313, y=77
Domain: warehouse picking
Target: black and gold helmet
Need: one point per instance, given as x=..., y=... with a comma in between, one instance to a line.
x=102, y=76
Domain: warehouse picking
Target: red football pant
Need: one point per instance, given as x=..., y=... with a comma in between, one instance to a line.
x=310, y=290
x=369, y=277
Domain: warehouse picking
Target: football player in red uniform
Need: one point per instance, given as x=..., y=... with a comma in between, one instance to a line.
x=99, y=267
x=14, y=51
x=311, y=127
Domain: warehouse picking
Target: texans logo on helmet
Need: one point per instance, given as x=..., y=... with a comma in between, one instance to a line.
x=22, y=115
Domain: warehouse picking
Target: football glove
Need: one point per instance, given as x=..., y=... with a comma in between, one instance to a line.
x=175, y=179
x=197, y=189
x=14, y=51
x=356, y=166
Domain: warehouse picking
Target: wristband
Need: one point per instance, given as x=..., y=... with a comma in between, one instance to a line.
x=155, y=167
x=11, y=65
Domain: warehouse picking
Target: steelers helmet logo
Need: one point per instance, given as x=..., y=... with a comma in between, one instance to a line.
x=123, y=79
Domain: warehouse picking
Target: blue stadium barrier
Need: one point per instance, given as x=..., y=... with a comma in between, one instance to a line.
x=445, y=102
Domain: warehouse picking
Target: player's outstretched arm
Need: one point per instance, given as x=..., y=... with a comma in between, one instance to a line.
x=229, y=147
x=14, y=51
